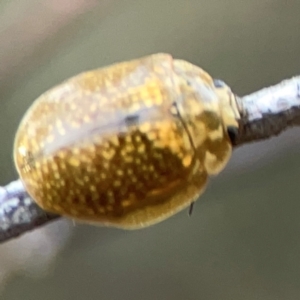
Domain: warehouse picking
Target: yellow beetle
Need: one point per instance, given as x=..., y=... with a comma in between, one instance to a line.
x=127, y=145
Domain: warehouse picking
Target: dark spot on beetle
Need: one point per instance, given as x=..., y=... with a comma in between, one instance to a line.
x=188, y=82
x=232, y=133
x=131, y=120
x=211, y=120
x=219, y=83
x=174, y=109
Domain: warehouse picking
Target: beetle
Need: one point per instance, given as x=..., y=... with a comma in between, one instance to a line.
x=127, y=145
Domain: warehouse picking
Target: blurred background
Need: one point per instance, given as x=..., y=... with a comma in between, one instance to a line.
x=242, y=241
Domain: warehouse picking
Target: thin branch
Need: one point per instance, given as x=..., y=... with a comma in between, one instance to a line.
x=264, y=114
x=18, y=212
x=269, y=112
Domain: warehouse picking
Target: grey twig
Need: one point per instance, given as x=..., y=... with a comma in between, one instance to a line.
x=269, y=112
x=18, y=212
x=263, y=114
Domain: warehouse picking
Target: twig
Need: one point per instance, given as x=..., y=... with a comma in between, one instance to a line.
x=18, y=212
x=264, y=114
x=268, y=112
